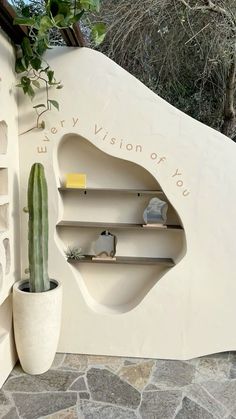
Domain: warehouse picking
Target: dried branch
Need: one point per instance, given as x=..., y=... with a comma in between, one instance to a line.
x=229, y=112
x=228, y=125
x=183, y=57
x=212, y=7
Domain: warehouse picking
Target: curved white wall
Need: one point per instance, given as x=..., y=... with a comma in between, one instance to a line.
x=190, y=311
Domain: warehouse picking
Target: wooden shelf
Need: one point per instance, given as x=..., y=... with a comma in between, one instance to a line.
x=130, y=191
x=122, y=260
x=128, y=260
x=90, y=224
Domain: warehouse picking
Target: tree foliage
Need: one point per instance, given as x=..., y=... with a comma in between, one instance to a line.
x=41, y=17
x=183, y=50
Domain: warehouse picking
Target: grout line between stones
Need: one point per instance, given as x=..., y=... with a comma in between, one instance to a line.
x=215, y=400
x=180, y=405
x=13, y=404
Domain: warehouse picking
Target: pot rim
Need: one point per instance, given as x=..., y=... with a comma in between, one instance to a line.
x=17, y=284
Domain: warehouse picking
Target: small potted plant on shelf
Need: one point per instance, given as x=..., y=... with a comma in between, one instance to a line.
x=74, y=253
x=37, y=301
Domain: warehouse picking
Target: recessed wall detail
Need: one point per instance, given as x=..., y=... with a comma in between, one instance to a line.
x=9, y=205
x=115, y=197
x=4, y=217
x=6, y=244
x=3, y=181
x=1, y=277
x=3, y=137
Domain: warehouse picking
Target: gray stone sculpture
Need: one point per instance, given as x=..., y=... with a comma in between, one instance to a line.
x=156, y=212
x=105, y=246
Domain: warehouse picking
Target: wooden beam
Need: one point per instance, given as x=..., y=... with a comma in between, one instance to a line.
x=79, y=35
x=7, y=14
x=73, y=37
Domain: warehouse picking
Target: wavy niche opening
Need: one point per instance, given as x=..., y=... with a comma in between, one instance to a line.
x=116, y=194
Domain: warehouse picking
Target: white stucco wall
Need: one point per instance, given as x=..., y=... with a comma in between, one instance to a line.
x=190, y=311
x=9, y=204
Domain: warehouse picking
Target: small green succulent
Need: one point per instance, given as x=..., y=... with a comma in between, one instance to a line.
x=74, y=253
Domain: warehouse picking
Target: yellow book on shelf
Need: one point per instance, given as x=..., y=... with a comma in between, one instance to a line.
x=76, y=180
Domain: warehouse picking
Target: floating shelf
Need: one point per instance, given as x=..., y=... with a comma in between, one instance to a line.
x=115, y=225
x=117, y=190
x=128, y=260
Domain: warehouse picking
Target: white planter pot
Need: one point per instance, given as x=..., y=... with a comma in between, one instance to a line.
x=37, y=321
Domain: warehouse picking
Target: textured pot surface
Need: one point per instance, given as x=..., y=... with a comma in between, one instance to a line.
x=37, y=320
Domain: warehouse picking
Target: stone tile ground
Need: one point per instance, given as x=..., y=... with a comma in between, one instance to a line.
x=97, y=387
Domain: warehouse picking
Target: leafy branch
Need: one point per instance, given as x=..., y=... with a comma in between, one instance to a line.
x=32, y=68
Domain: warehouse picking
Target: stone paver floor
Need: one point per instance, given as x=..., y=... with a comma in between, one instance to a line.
x=96, y=387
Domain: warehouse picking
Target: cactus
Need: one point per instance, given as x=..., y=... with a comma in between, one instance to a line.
x=38, y=230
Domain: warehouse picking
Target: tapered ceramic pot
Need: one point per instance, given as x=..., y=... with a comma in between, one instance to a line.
x=37, y=321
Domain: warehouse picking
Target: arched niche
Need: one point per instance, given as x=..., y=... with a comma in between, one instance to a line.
x=117, y=192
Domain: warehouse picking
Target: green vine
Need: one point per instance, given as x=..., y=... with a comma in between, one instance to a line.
x=31, y=66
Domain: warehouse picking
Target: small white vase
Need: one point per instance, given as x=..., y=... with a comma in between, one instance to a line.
x=37, y=321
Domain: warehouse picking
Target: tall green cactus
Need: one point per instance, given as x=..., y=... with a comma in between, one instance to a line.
x=38, y=229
